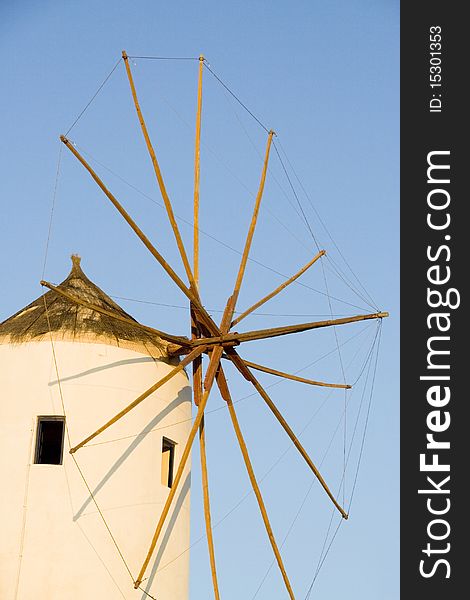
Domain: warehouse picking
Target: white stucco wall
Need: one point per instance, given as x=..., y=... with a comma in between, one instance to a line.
x=53, y=543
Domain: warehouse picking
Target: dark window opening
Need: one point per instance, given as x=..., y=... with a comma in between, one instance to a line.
x=168, y=459
x=49, y=440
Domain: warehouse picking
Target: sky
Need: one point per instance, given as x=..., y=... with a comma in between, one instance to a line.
x=324, y=76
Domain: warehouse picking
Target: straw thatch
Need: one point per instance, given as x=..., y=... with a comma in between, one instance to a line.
x=67, y=320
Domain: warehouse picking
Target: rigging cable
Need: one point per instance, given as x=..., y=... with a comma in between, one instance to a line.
x=233, y=173
x=92, y=496
x=92, y=98
x=270, y=171
x=235, y=96
x=266, y=474
x=164, y=57
x=262, y=478
x=329, y=301
x=296, y=196
x=313, y=481
x=235, y=312
x=223, y=406
x=309, y=227
x=369, y=363
x=324, y=226
x=24, y=515
x=257, y=120
x=54, y=197
x=210, y=236
x=371, y=303
x=329, y=304
x=367, y=419
x=323, y=558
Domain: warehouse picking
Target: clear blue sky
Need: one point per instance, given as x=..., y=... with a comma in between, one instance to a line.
x=324, y=75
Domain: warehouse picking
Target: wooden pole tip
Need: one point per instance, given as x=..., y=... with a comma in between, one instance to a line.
x=124, y=55
x=76, y=259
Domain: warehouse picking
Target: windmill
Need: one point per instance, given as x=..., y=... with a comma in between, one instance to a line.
x=219, y=341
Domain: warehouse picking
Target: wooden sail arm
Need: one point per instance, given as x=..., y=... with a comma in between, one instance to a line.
x=225, y=393
x=248, y=375
x=207, y=509
x=262, y=334
x=209, y=379
x=196, y=332
x=190, y=293
x=264, y=369
x=278, y=289
x=158, y=174
x=186, y=361
x=251, y=230
x=197, y=172
x=208, y=383
x=174, y=339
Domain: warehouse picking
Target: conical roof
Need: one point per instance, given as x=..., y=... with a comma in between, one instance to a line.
x=67, y=320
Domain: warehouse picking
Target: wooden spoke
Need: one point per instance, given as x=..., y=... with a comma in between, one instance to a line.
x=197, y=170
x=245, y=371
x=165, y=336
x=207, y=510
x=158, y=174
x=142, y=397
x=292, y=377
x=251, y=230
x=208, y=382
x=262, y=334
x=225, y=393
x=197, y=364
x=189, y=293
x=279, y=288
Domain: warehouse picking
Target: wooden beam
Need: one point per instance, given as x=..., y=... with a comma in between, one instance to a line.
x=207, y=510
x=197, y=364
x=245, y=371
x=208, y=382
x=189, y=293
x=174, y=339
x=225, y=393
x=261, y=334
x=186, y=360
x=279, y=288
x=158, y=173
x=209, y=379
x=197, y=172
x=292, y=377
x=251, y=230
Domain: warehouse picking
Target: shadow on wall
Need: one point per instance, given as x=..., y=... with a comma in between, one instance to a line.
x=184, y=490
x=118, y=363
x=181, y=397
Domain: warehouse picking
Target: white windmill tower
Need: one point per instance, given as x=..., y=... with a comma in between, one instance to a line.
x=64, y=369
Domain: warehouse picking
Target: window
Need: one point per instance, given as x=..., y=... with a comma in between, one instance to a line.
x=49, y=440
x=168, y=459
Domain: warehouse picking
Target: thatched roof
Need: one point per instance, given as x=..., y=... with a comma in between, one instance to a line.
x=68, y=320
